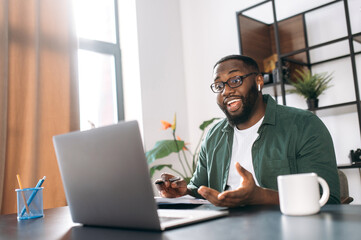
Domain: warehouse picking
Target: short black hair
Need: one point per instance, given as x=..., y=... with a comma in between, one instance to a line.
x=245, y=59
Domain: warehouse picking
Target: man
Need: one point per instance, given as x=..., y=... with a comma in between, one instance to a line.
x=242, y=155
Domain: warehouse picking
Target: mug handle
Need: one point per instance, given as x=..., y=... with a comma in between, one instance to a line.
x=325, y=193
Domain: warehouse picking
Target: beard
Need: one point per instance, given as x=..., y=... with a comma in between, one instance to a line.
x=248, y=103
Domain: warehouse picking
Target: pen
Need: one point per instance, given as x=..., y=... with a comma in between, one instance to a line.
x=33, y=194
x=173, y=179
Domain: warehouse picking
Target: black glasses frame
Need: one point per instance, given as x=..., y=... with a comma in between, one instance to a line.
x=224, y=83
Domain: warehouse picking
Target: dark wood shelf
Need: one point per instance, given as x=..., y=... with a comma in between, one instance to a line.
x=356, y=37
x=287, y=39
x=301, y=50
x=302, y=12
x=358, y=165
x=330, y=59
x=335, y=105
x=267, y=85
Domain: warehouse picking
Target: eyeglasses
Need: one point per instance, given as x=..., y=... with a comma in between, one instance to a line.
x=234, y=82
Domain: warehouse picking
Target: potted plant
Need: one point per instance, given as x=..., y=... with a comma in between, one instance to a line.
x=310, y=86
x=176, y=145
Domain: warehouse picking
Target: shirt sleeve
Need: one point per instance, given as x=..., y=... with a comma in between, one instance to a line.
x=316, y=154
x=200, y=175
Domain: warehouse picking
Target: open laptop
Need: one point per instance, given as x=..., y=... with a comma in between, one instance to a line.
x=107, y=183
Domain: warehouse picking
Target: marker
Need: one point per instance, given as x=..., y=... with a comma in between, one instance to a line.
x=173, y=179
x=33, y=194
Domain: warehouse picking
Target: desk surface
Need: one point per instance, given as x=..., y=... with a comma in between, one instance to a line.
x=251, y=222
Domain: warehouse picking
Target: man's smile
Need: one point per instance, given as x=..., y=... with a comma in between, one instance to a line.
x=233, y=104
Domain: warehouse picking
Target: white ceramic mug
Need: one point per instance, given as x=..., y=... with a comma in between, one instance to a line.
x=299, y=194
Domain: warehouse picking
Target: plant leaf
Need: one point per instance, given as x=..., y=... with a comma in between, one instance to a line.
x=158, y=168
x=207, y=123
x=310, y=86
x=163, y=148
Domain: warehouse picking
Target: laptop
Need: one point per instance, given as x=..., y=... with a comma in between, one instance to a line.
x=106, y=180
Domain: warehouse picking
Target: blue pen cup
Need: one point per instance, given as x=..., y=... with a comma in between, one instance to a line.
x=34, y=199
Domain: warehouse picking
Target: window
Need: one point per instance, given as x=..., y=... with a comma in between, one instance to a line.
x=99, y=62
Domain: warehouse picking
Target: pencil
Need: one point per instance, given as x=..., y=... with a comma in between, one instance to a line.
x=22, y=194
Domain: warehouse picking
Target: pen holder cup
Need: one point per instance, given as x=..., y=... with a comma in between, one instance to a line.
x=34, y=200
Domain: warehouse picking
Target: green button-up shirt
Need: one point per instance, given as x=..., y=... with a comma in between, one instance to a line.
x=290, y=141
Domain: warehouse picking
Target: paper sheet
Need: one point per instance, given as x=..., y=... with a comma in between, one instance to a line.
x=187, y=199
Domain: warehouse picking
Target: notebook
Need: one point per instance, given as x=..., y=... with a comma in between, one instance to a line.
x=106, y=180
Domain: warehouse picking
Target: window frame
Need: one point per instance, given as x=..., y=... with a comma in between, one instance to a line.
x=114, y=50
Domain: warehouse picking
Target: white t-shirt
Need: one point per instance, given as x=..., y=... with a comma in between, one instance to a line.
x=242, y=153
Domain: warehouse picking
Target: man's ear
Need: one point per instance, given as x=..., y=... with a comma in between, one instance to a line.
x=260, y=81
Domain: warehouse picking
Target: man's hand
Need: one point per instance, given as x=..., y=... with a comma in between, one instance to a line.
x=169, y=187
x=246, y=194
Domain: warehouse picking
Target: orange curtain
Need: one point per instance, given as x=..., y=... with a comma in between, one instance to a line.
x=3, y=90
x=41, y=97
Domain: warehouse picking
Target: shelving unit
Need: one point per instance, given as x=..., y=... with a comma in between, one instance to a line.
x=288, y=37
x=350, y=166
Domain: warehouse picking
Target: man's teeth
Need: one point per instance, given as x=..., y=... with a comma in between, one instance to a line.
x=232, y=101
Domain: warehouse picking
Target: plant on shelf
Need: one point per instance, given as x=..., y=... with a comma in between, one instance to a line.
x=164, y=148
x=310, y=86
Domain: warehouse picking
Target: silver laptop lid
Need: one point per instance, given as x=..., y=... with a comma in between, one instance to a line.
x=106, y=178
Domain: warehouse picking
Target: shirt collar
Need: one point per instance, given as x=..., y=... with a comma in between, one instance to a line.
x=270, y=115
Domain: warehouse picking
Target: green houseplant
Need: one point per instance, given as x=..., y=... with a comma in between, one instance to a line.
x=163, y=148
x=310, y=86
